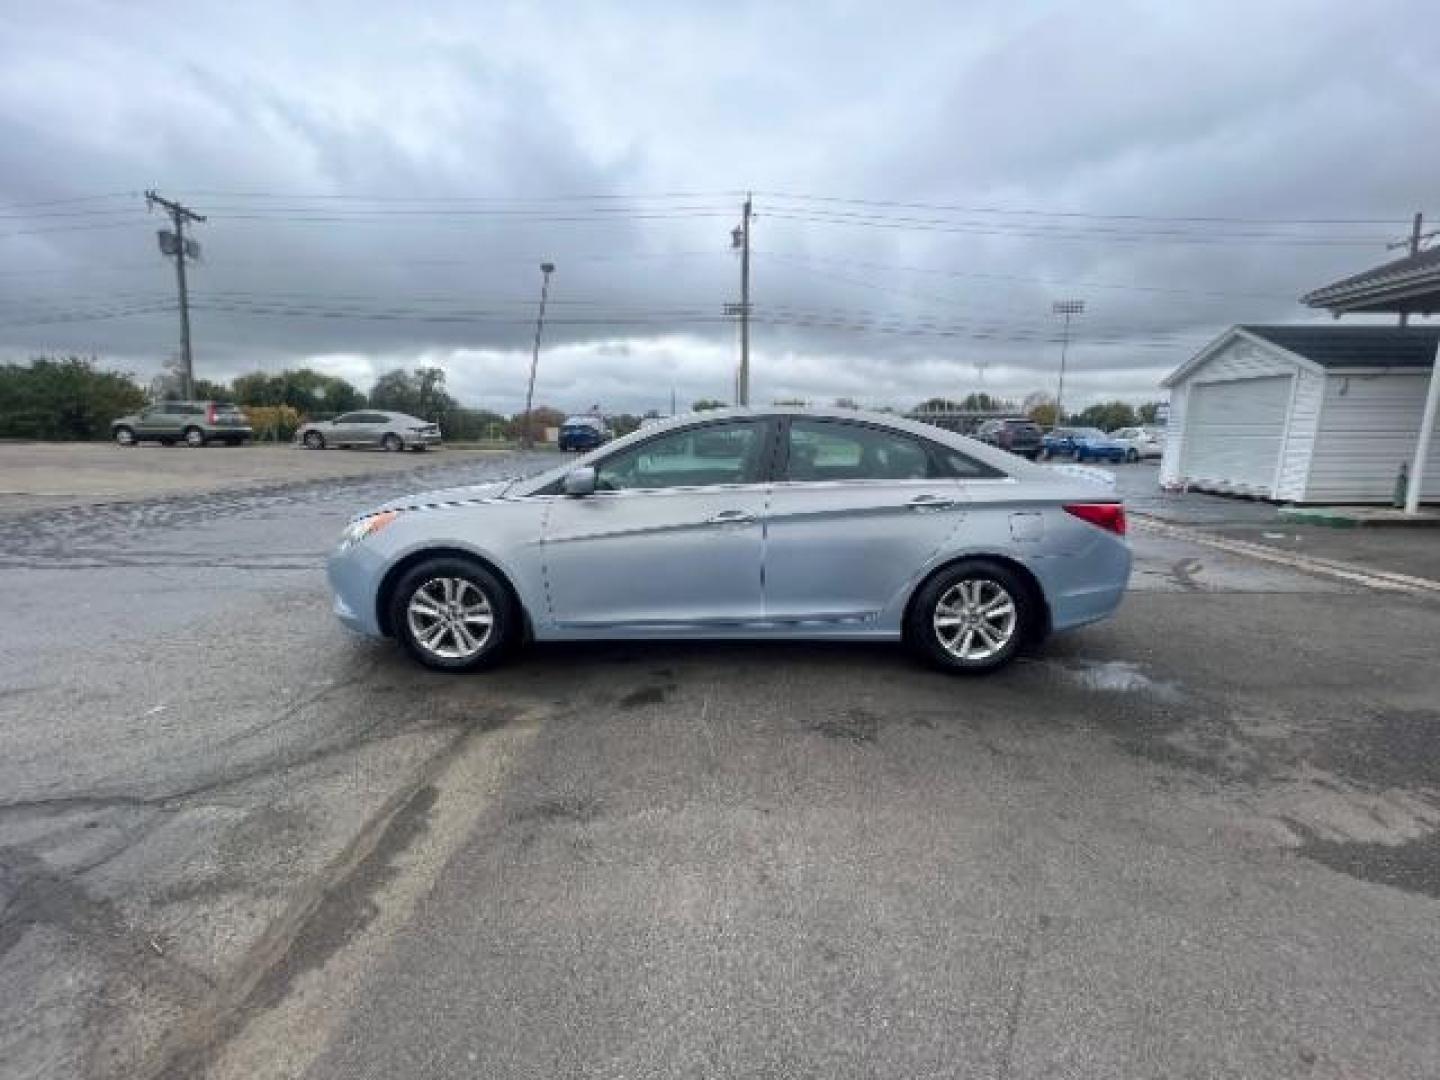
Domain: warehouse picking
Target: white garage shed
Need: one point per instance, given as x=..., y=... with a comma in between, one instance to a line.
x=1306, y=414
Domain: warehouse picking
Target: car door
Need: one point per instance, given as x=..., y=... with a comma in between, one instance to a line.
x=347, y=430
x=673, y=537
x=856, y=511
x=150, y=422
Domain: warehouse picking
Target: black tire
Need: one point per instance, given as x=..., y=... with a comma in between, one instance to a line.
x=392, y=443
x=194, y=437
x=924, y=636
x=505, y=616
x=125, y=436
x=314, y=440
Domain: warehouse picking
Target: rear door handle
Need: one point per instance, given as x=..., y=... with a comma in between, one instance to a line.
x=731, y=517
x=930, y=502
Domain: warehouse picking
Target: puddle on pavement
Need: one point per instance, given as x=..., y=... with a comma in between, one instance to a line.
x=1119, y=677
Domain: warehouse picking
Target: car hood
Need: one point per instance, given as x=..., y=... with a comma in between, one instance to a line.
x=443, y=497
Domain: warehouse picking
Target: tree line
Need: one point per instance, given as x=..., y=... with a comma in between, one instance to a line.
x=72, y=398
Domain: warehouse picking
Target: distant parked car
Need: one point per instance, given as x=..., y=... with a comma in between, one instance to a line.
x=1082, y=444
x=772, y=524
x=1141, y=442
x=194, y=423
x=581, y=433
x=387, y=430
x=1017, y=434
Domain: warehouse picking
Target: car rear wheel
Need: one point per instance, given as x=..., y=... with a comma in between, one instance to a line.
x=194, y=437
x=971, y=617
x=392, y=443
x=125, y=436
x=314, y=440
x=453, y=615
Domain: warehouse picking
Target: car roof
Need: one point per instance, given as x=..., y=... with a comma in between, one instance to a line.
x=1009, y=463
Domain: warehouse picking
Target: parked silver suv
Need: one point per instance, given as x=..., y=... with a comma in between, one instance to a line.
x=370, y=427
x=194, y=423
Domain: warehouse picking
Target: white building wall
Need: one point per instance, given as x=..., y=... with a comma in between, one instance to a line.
x=1295, y=453
x=1368, y=426
x=1240, y=359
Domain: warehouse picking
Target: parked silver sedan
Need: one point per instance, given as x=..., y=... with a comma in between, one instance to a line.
x=745, y=524
x=370, y=427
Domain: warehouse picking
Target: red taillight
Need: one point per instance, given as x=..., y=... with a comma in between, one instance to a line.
x=1108, y=516
x=210, y=413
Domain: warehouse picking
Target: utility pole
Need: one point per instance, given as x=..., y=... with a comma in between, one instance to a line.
x=1414, y=250
x=740, y=238
x=174, y=243
x=1066, y=308
x=546, y=269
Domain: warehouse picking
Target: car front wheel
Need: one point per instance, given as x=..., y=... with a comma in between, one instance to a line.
x=453, y=615
x=194, y=437
x=314, y=440
x=392, y=443
x=125, y=436
x=971, y=617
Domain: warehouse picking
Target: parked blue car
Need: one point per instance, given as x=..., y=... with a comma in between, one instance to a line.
x=581, y=433
x=1083, y=444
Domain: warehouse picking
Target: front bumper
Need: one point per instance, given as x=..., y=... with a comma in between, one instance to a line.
x=355, y=575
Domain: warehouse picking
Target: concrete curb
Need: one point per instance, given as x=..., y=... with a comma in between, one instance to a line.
x=1381, y=580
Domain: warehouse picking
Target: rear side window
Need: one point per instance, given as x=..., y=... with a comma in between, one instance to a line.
x=964, y=467
x=824, y=450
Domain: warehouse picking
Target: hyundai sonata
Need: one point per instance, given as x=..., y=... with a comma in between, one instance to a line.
x=775, y=523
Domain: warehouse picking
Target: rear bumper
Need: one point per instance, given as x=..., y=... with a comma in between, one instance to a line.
x=1087, y=587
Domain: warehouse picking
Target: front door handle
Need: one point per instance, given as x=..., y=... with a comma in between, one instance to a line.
x=930, y=502
x=731, y=517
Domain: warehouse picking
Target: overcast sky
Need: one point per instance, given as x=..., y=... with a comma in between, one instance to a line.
x=382, y=181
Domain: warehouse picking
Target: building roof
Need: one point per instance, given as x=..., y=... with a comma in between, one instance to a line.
x=1330, y=346
x=1355, y=346
x=1411, y=283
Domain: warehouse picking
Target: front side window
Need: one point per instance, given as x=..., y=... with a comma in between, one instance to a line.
x=822, y=450
x=705, y=456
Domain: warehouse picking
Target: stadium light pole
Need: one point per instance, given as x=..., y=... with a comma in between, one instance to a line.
x=546, y=269
x=1067, y=308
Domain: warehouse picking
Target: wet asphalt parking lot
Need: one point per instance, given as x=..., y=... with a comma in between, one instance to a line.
x=1197, y=840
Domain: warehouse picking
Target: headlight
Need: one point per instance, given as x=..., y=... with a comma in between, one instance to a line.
x=366, y=526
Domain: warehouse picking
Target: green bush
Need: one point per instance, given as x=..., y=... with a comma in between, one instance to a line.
x=63, y=399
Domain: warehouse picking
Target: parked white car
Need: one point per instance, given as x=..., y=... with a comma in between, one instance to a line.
x=1141, y=442
x=370, y=427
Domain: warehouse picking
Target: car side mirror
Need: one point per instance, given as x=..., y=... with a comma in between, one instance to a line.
x=580, y=482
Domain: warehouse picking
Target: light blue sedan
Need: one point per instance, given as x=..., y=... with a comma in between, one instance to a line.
x=777, y=523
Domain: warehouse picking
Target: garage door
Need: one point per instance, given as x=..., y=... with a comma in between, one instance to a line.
x=1233, y=432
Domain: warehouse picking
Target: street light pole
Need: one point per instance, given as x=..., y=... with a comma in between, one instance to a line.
x=546, y=269
x=1066, y=308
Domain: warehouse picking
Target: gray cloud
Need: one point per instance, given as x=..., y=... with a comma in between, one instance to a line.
x=1284, y=111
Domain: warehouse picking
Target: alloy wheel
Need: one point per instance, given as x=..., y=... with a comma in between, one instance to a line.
x=450, y=617
x=975, y=619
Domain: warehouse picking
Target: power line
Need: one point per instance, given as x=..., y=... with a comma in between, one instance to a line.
x=391, y=199
x=944, y=272
x=1033, y=212
x=1041, y=233
x=72, y=199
